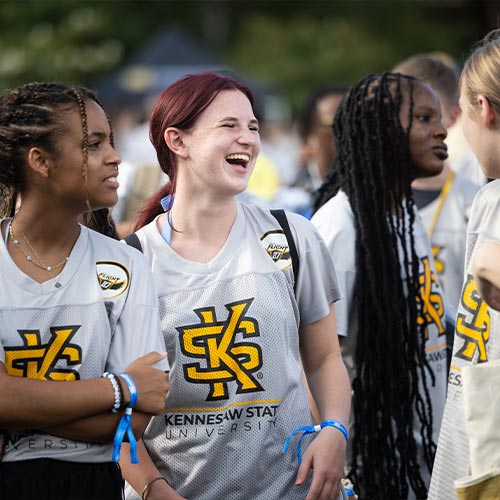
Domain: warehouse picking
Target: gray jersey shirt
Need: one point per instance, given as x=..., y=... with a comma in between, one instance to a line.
x=231, y=329
x=475, y=341
x=101, y=316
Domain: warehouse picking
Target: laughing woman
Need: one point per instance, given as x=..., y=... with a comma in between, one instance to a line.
x=236, y=332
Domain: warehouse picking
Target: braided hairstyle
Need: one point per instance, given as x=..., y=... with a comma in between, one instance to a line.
x=373, y=168
x=101, y=221
x=32, y=115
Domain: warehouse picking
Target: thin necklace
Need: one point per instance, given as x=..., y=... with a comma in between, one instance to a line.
x=29, y=258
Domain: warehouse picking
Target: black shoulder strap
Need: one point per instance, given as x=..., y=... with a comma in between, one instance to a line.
x=133, y=240
x=280, y=216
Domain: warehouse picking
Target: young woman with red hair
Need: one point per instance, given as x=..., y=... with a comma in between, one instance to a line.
x=237, y=334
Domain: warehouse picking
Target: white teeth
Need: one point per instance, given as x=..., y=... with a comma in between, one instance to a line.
x=111, y=179
x=238, y=157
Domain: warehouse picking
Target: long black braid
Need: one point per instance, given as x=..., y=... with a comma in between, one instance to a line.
x=373, y=167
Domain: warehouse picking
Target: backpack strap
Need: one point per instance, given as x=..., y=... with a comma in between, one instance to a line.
x=280, y=215
x=133, y=240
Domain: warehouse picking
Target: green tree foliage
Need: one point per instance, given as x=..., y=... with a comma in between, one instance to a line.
x=336, y=42
x=294, y=45
x=75, y=40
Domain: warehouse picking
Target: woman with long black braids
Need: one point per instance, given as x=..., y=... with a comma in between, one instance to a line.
x=388, y=132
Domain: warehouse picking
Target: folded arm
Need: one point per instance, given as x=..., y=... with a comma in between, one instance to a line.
x=36, y=404
x=99, y=428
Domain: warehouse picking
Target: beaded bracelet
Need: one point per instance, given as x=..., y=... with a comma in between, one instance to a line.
x=125, y=425
x=122, y=394
x=118, y=390
x=310, y=429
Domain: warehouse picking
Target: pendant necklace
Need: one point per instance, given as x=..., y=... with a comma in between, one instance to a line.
x=38, y=262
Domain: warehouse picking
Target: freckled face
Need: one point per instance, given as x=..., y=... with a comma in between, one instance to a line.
x=427, y=148
x=222, y=147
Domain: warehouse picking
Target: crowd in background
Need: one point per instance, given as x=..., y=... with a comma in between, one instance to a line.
x=381, y=291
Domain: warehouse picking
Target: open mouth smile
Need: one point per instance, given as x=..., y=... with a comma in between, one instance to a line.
x=239, y=159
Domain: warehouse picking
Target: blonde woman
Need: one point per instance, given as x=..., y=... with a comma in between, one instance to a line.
x=477, y=334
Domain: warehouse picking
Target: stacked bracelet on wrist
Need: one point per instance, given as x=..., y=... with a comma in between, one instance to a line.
x=118, y=390
x=310, y=429
x=125, y=425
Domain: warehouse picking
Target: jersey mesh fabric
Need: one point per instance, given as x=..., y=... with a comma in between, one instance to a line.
x=253, y=418
x=449, y=236
x=236, y=391
x=476, y=341
x=76, y=331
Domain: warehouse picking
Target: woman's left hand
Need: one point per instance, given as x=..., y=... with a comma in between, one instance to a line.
x=325, y=456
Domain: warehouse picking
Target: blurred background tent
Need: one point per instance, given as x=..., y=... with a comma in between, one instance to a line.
x=165, y=57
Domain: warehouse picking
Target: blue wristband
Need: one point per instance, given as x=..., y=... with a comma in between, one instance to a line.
x=125, y=424
x=311, y=429
x=125, y=427
x=338, y=425
x=131, y=387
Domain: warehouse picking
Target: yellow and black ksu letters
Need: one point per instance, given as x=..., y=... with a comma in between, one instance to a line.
x=430, y=300
x=37, y=360
x=224, y=358
x=474, y=325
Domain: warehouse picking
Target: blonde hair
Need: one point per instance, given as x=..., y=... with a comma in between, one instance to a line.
x=481, y=72
x=433, y=70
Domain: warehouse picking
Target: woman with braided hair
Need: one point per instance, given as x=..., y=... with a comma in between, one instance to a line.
x=388, y=132
x=76, y=307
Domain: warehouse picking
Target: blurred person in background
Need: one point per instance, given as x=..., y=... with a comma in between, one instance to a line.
x=315, y=128
x=317, y=148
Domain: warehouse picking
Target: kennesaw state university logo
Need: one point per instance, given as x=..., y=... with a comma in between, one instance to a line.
x=473, y=324
x=113, y=278
x=45, y=361
x=276, y=245
x=224, y=350
x=431, y=307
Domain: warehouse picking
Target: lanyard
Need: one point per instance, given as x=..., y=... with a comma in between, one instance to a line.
x=442, y=198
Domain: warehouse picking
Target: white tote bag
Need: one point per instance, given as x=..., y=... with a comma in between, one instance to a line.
x=481, y=385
